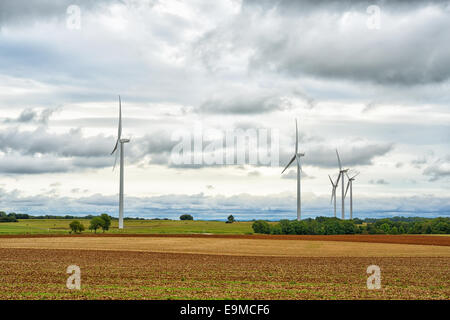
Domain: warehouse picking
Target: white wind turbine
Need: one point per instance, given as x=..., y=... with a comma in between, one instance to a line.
x=350, y=184
x=341, y=173
x=120, y=146
x=297, y=156
x=333, y=191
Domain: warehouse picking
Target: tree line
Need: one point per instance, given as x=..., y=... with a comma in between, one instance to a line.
x=330, y=226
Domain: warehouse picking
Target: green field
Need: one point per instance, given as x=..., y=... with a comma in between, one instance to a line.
x=61, y=226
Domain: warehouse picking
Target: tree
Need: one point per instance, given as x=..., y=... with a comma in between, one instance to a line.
x=106, y=222
x=96, y=223
x=385, y=228
x=76, y=226
x=394, y=230
x=7, y=217
x=186, y=217
x=261, y=226
x=230, y=219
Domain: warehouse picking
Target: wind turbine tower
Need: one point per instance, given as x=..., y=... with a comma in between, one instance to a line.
x=341, y=173
x=333, y=191
x=297, y=156
x=350, y=184
x=120, y=144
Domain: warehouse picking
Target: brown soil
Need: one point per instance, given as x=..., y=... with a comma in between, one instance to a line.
x=399, y=239
x=41, y=274
x=231, y=246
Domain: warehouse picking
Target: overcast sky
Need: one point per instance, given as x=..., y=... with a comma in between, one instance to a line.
x=370, y=78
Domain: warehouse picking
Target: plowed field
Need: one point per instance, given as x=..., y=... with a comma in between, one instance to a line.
x=220, y=268
x=40, y=274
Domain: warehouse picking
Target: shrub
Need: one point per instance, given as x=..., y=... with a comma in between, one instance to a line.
x=186, y=217
x=261, y=226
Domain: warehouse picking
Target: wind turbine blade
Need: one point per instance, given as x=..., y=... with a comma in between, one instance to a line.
x=338, y=178
x=292, y=160
x=348, y=185
x=115, y=147
x=332, y=194
x=119, y=134
x=355, y=175
x=115, y=159
x=332, y=183
x=347, y=175
x=339, y=160
x=296, y=137
x=119, y=130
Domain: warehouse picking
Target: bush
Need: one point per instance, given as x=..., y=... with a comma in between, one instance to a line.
x=186, y=217
x=261, y=226
x=76, y=227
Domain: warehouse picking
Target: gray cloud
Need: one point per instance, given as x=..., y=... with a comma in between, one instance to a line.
x=292, y=174
x=32, y=116
x=282, y=40
x=305, y=7
x=29, y=11
x=245, y=104
x=379, y=181
x=440, y=169
x=399, y=165
x=40, y=141
x=244, y=206
x=14, y=164
x=419, y=162
x=324, y=156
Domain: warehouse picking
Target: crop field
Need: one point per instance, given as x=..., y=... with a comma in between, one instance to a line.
x=61, y=226
x=220, y=267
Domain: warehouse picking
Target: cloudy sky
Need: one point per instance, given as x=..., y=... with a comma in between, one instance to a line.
x=370, y=78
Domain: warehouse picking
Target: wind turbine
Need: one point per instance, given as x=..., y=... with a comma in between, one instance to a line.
x=341, y=173
x=297, y=156
x=350, y=184
x=333, y=191
x=120, y=146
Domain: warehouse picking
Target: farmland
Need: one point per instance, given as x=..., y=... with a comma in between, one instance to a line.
x=234, y=245
x=222, y=267
x=61, y=226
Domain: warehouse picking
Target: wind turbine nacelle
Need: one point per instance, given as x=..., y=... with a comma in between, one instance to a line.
x=124, y=140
